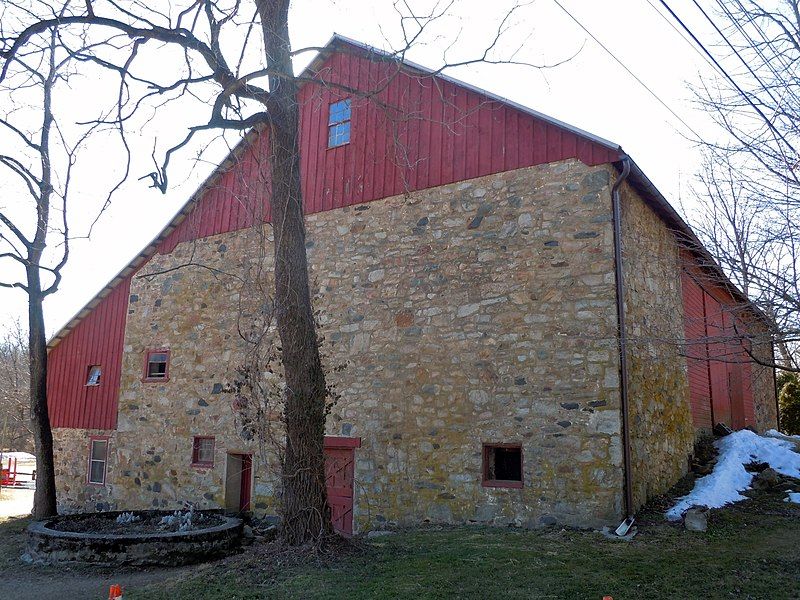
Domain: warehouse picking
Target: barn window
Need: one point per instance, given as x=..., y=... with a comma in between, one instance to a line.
x=98, y=457
x=156, y=366
x=203, y=451
x=339, y=124
x=93, y=377
x=502, y=465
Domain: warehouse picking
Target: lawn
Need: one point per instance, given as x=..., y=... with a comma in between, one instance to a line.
x=750, y=551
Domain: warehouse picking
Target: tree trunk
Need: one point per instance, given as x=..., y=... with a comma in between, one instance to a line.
x=44, y=498
x=305, y=511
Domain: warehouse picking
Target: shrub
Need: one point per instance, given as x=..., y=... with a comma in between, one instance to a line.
x=789, y=404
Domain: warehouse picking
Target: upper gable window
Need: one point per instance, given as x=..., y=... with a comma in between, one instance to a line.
x=156, y=366
x=339, y=124
x=93, y=378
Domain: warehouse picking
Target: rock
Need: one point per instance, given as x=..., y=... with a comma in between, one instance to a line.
x=701, y=470
x=379, y=533
x=248, y=537
x=696, y=519
x=768, y=478
x=756, y=467
x=608, y=532
x=721, y=430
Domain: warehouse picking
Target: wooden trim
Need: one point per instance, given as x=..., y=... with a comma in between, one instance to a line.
x=92, y=440
x=198, y=463
x=336, y=441
x=502, y=483
x=147, y=354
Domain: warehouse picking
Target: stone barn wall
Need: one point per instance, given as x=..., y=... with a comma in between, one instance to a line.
x=482, y=311
x=662, y=433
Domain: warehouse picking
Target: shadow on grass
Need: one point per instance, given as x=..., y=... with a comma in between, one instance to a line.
x=750, y=551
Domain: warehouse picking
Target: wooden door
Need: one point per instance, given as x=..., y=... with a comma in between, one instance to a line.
x=339, y=480
x=247, y=482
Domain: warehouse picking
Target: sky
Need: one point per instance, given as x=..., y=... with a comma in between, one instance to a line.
x=591, y=90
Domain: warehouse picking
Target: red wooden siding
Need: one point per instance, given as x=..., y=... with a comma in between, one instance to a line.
x=96, y=340
x=697, y=352
x=720, y=373
x=419, y=132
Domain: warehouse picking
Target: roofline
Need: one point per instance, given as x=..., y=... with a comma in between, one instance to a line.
x=473, y=88
x=672, y=218
x=151, y=248
x=637, y=175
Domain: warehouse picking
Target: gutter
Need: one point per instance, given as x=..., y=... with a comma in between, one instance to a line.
x=616, y=216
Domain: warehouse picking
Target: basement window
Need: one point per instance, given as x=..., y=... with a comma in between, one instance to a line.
x=156, y=366
x=203, y=451
x=339, y=124
x=93, y=377
x=98, y=458
x=502, y=465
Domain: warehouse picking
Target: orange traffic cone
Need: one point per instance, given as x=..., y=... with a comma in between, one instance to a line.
x=115, y=592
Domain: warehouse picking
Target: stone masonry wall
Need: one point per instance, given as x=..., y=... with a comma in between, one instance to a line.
x=662, y=433
x=763, y=382
x=482, y=311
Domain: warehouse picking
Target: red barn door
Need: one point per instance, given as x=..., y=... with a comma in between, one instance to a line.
x=339, y=478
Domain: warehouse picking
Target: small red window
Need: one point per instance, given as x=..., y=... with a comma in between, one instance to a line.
x=203, y=451
x=156, y=365
x=502, y=465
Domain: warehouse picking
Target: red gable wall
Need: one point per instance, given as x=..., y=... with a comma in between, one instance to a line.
x=433, y=132
x=96, y=340
x=441, y=133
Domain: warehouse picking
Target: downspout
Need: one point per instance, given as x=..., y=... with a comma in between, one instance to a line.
x=616, y=209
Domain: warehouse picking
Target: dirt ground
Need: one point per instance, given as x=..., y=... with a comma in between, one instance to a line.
x=15, y=502
x=20, y=581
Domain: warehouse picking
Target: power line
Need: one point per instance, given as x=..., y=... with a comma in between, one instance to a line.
x=777, y=56
x=729, y=78
x=680, y=33
x=631, y=73
x=735, y=51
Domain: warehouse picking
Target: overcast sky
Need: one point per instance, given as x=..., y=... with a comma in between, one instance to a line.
x=591, y=91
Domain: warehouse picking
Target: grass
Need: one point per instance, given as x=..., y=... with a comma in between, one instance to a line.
x=750, y=551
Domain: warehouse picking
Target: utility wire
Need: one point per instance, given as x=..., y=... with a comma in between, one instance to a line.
x=631, y=73
x=728, y=77
x=680, y=33
x=777, y=56
x=735, y=51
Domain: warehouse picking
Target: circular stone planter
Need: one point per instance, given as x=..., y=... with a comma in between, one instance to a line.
x=49, y=545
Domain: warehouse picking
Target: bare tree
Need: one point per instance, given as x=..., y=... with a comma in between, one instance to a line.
x=15, y=427
x=236, y=57
x=749, y=185
x=34, y=232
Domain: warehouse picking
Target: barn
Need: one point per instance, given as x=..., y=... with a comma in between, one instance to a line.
x=519, y=327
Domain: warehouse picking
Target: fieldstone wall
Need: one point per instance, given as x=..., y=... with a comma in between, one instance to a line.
x=71, y=457
x=661, y=428
x=765, y=406
x=482, y=311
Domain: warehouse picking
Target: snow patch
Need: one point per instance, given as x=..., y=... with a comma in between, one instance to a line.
x=793, y=497
x=729, y=477
x=777, y=434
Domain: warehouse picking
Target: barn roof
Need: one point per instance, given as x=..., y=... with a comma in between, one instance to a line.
x=338, y=43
